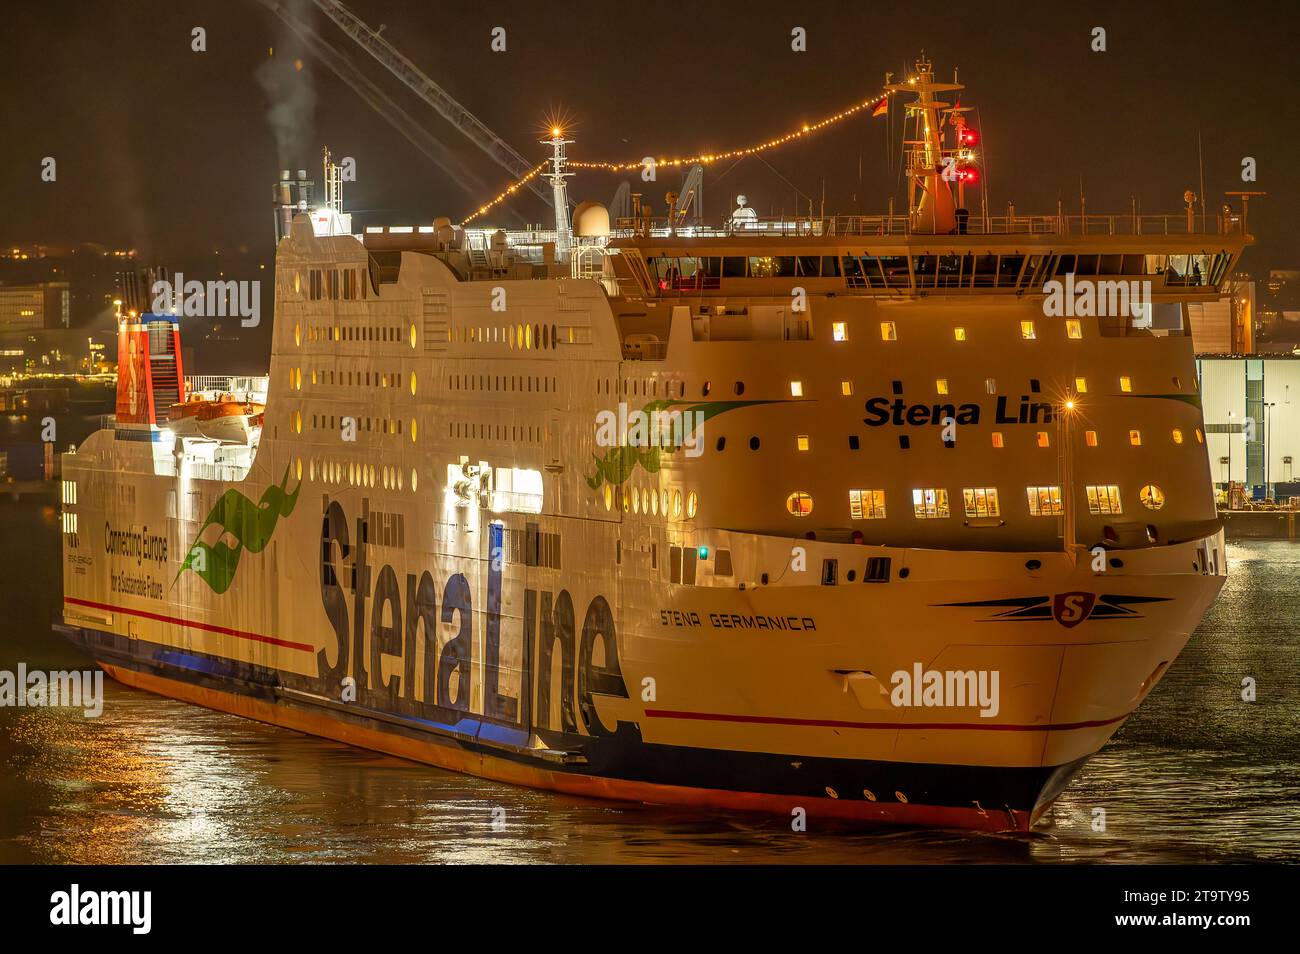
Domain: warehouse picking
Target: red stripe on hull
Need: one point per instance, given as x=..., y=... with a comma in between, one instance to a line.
x=837, y=724
x=192, y=624
x=530, y=776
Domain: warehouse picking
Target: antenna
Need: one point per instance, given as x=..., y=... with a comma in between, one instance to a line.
x=557, y=175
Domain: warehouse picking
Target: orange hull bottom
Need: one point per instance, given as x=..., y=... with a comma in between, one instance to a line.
x=570, y=783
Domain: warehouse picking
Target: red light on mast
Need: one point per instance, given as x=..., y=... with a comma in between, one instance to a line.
x=969, y=137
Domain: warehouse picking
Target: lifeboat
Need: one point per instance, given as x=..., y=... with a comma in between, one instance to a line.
x=219, y=417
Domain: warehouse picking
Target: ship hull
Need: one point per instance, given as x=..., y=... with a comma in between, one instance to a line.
x=732, y=722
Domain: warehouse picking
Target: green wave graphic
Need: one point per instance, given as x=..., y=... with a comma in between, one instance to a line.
x=251, y=524
x=619, y=463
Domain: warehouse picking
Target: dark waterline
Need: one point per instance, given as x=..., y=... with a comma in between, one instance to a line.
x=1196, y=775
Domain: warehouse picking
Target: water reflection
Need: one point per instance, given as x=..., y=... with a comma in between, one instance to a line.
x=1197, y=775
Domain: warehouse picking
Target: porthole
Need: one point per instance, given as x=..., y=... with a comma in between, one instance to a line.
x=799, y=504
x=1152, y=497
x=753, y=443
x=739, y=388
x=412, y=336
x=412, y=383
x=412, y=430
x=721, y=443
x=609, y=497
x=297, y=334
x=705, y=389
x=297, y=468
x=636, y=502
x=311, y=470
x=546, y=339
x=414, y=481
x=645, y=500
x=692, y=504
x=677, y=503
x=654, y=503
x=297, y=283
x=663, y=502
x=297, y=422
x=627, y=502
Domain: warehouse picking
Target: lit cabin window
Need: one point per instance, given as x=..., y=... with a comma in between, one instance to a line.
x=1178, y=436
x=997, y=440
x=609, y=497
x=1044, y=439
x=1200, y=438
x=839, y=331
x=959, y=334
x=627, y=501
x=677, y=503
x=1135, y=438
x=297, y=334
x=663, y=501
x=297, y=422
x=1081, y=385
x=981, y=501
x=414, y=481
x=412, y=430
x=1045, y=501
x=867, y=504
x=1103, y=499
x=802, y=442
x=888, y=332
x=412, y=336
x=1178, y=384
x=991, y=385
x=1027, y=330
x=930, y=503
x=412, y=382
x=1126, y=384
x=941, y=385
x=692, y=504
x=1153, y=498
x=799, y=504
x=796, y=389
x=846, y=388
x=1090, y=438
x=1073, y=329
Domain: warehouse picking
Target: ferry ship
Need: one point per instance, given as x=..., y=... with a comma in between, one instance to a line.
x=735, y=517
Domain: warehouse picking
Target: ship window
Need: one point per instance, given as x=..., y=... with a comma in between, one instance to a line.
x=799, y=504
x=1027, y=330
x=722, y=443
x=692, y=504
x=930, y=503
x=1073, y=329
x=762, y=266
x=1081, y=385
x=738, y=387
x=677, y=503
x=1135, y=437
x=867, y=504
x=888, y=332
x=877, y=570
x=722, y=563
x=846, y=388
x=704, y=389
x=923, y=267
x=1090, y=438
x=1153, y=498
x=1035, y=386
x=809, y=266
x=830, y=266
x=674, y=564
x=1178, y=436
x=981, y=501
x=895, y=271
x=986, y=270
x=1103, y=499
x=839, y=331
x=941, y=385
x=753, y=443
x=1134, y=265
x=853, y=442
x=997, y=439
x=949, y=271
x=733, y=266
x=802, y=442
x=1178, y=384
x=609, y=497
x=991, y=385
x=959, y=334
x=1009, y=269
x=1086, y=265
x=830, y=572
x=1045, y=501
x=783, y=265
x=796, y=389
x=852, y=271
x=1044, y=439
x=1126, y=384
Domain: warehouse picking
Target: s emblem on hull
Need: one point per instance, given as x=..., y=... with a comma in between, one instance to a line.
x=1071, y=609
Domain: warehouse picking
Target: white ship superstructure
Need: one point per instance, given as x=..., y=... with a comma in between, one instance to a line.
x=887, y=451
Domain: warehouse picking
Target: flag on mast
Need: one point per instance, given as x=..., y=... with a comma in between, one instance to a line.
x=881, y=107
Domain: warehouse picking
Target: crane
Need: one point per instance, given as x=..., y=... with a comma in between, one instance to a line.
x=342, y=67
x=433, y=94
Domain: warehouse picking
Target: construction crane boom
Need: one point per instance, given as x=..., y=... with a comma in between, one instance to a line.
x=433, y=94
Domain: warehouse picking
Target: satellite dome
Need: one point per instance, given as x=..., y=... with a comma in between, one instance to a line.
x=590, y=220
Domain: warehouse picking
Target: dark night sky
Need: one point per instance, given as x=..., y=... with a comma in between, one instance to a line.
x=171, y=151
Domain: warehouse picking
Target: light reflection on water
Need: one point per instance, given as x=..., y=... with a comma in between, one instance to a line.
x=1195, y=775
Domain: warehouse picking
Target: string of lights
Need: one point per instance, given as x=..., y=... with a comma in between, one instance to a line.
x=808, y=129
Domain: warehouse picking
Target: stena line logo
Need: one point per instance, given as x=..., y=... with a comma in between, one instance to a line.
x=1071, y=609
